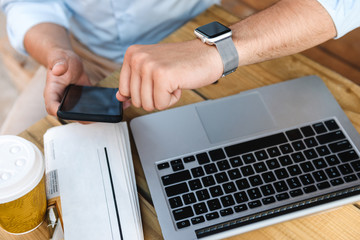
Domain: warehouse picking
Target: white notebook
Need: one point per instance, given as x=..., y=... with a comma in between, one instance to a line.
x=91, y=167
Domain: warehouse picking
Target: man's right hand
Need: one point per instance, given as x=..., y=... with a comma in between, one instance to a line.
x=64, y=68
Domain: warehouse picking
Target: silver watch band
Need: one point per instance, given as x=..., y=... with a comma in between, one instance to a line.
x=229, y=55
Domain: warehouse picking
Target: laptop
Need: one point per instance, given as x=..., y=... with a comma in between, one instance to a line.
x=227, y=166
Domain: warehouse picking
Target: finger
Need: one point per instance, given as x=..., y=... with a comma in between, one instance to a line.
x=59, y=68
x=121, y=98
x=124, y=80
x=164, y=99
x=52, y=96
x=135, y=89
x=146, y=91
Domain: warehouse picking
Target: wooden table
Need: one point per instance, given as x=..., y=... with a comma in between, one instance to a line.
x=340, y=223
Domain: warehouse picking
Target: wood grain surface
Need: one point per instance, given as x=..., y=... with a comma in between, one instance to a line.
x=340, y=223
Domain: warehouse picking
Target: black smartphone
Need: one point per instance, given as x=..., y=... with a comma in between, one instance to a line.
x=87, y=103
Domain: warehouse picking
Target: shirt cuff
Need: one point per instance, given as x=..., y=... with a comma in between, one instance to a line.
x=344, y=13
x=22, y=16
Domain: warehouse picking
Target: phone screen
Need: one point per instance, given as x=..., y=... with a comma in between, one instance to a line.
x=90, y=104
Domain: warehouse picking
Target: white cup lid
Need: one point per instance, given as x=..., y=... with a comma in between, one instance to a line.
x=21, y=167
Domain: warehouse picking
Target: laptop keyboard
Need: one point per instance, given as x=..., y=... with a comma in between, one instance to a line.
x=257, y=173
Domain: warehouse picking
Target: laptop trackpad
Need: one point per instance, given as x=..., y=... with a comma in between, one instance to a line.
x=236, y=116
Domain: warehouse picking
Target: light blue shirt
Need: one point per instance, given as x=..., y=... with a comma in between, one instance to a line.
x=344, y=13
x=106, y=27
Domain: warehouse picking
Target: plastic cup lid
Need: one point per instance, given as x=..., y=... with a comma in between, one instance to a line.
x=21, y=167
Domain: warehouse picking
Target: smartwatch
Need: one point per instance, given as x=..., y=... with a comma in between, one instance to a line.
x=220, y=35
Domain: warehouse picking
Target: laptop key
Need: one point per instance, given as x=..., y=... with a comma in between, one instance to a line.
x=176, y=177
x=273, y=152
x=200, y=208
x=177, y=165
x=285, y=160
x=281, y=173
x=240, y=208
x=350, y=178
x=255, y=180
x=272, y=164
x=254, y=193
x=282, y=196
x=345, y=169
x=212, y=215
x=268, y=177
x=176, y=189
x=197, y=172
x=189, y=159
x=260, y=167
x=229, y=187
x=306, y=179
x=210, y=168
x=234, y=174
x=310, y=142
x=242, y=184
x=280, y=186
x=340, y=146
x=254, y=204
x=319, y=163
x=236, y=162
x=356, y=165
x=309, y=189
x=332, y=172
x=202, y=194
x=221, y=177
x=202, y=158
x=331, y=124
x=217, y=154
x=294, y=134
x=241, y=197
x=248, y=158
x=332, y=160
x=175, y=202
x=213, y=204
x=216, y=191
x=261, y=155
x=195, y=184
x=164, y=165
x=298, y=145
x=294, y=170
x=247, y=170
x=336, y=181
x=348, y=156
x=319, y=128
x=189, y=198
x=319, y=176
x=267, y=190
x=296, y=192
x=227, y=200
x=307, y=131
x=197, y=220
x=330, y=137
x=226, y=212
x=310, y=154
x=268, y=200
x=298, y=157
x=293, y=182
x=286, y=148
x=223, y=165
x=323, y=150
x=183, y=213
x=307, y=167
x=183, y=224
x=323, y=185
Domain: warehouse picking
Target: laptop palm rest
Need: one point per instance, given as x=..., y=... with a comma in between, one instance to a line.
x=237, y=116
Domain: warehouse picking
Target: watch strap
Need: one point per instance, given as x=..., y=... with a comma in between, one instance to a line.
x=229, y=55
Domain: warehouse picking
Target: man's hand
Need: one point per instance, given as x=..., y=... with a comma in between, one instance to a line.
x=64, y=68
x=153, y=75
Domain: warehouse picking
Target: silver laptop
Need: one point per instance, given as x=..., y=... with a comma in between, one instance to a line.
x=227, y=166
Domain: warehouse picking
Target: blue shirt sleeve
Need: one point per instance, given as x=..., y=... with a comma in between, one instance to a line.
x=21, y=16
x=344, y=13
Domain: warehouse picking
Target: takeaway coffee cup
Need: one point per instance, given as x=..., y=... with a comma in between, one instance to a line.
x=22, y=185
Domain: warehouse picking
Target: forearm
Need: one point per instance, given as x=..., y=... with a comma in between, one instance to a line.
x=288, y=27
x=44, y=39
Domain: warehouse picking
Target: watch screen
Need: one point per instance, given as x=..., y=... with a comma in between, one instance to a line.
x=213, y=29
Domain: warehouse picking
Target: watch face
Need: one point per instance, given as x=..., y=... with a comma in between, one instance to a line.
x=214, y=29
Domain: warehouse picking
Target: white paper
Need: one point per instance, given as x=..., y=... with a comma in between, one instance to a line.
x=96, y=180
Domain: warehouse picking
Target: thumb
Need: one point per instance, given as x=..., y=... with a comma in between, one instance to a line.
x=59, y=68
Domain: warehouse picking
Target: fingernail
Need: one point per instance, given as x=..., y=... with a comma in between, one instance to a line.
x=59, y=63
